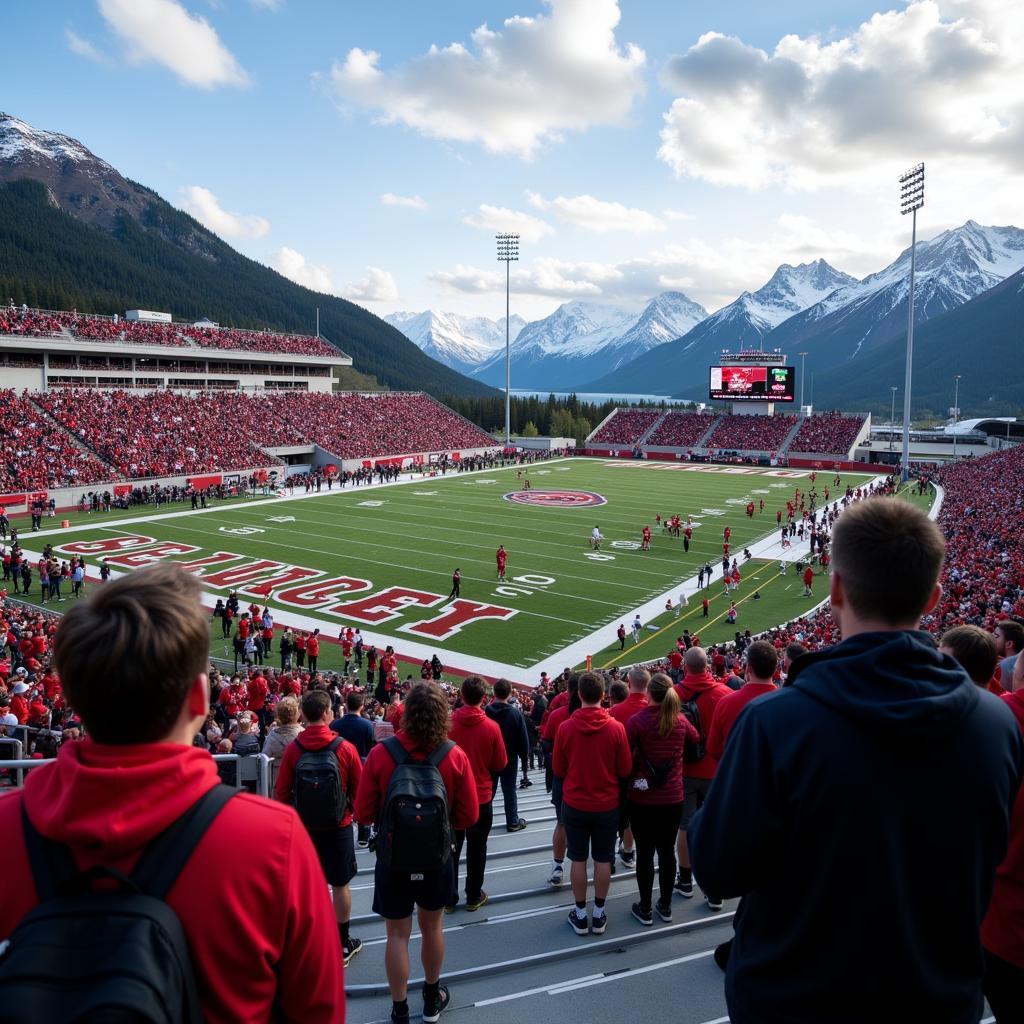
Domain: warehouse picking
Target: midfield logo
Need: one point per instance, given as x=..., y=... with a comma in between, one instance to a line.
x=556, y=499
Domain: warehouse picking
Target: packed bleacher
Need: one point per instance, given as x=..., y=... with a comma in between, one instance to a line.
x=626, y=426
x=680, y=429
x=751, y=433
x=20, y=320
x=829, y=433
x=35, y=454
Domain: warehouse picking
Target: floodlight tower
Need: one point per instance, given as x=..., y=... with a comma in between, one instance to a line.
x=911, y=200
x=508, y=252
x=803, y=356
x=956, y=411
x=892, y=412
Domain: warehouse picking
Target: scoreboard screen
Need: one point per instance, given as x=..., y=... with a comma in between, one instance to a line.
x=753, y=384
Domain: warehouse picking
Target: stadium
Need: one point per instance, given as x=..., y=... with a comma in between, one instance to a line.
x=324, y=697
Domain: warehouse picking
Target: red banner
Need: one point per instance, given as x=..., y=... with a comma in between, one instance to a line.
x=13, y=502
x=122, y=489
x=200, y=483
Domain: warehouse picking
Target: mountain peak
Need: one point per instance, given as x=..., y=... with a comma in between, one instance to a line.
x=20, y=141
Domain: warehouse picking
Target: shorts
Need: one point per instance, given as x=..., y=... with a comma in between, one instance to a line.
x=337, y=853
x=396, y=895
x=696, y=792
x=556, y=798
x=591, y=833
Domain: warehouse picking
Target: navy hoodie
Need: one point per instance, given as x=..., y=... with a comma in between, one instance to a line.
x=513, y=728
x=861, y=813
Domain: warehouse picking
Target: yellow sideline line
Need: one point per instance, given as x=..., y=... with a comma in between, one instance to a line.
x=710, y=622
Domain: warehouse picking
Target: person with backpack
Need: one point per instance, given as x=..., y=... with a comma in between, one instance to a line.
x=591, y=757
x=135, y=798
x=319, y=776
x=699, y=693
x=418, y=788
x=657, y=736
x=480, y=737
x=512, y=723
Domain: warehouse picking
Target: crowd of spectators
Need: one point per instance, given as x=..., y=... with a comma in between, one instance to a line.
x=830, y=433
x=88, y=327
x=681, y=429
x=751, y=433
x=35, y=454
x=626, y=426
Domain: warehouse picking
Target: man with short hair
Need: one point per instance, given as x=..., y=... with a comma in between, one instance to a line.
x=868, y=749
x=512, y=724
x=133, y=662
x=358, y=730
x=762, y=660
x=635, y=702
x=481, y=739
x=976, y=652
x=1009, y=634
x=790, y=653
x=333, y=843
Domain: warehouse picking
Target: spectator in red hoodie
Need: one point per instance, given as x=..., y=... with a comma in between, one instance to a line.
x=481, y=739
x=657, y=736
x=132, y=660
x=424, y=729
x=591, y=756
x=635, y=702
x=703, y=689
x=762, y=661
x=1002, y=931
x=334, y=846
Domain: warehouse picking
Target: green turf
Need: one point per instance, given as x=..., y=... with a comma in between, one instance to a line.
x=415, y=534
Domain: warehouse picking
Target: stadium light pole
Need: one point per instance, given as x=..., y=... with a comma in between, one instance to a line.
x=911, y=200
x=802, y=355
x=956, y=410
x=892, y=413
x=508, y=252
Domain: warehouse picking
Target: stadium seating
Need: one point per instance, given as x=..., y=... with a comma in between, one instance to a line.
x=831, y=433
x=751, y=433
x=626, y=426
x=680, y=429
x=35, y=454
x=87, y=327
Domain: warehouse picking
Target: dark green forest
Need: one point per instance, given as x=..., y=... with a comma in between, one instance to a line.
x=168, y=261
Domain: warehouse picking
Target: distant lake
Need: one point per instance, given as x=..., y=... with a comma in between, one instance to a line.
x=594, y=396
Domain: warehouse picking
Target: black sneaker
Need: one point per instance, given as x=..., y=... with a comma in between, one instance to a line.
x=645, y=917
x=685, y=889
x=433, y=1005
x=628, y=856
x=598, y=922
x=399, y=1018
x=722, y=954
x=518, y=826
x=664, y=910
x=713, y=903
x=579, y=922
x=350, y=949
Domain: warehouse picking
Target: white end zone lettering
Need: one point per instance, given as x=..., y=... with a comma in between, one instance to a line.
x=137, y=559
x=384, y=606
x=314, y=595
x=458, y=614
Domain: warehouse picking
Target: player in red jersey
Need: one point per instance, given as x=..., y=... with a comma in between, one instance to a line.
x=646, y=543
x=727, y=533
x=501, y=557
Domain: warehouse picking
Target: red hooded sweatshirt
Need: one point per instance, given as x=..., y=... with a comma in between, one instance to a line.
x=591, y=755
x=251, y=899
x=316, y=737
x=455, y=769
x=480, y=737
x=708, y=691
x=727, y=711
x=632, y=705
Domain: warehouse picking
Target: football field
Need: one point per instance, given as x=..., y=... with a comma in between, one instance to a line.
x=381, y=559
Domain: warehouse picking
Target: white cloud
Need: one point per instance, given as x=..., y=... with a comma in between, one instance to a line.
x=377, y=286
x=498, y=218
x=266, y=5
x=411, y=202
x=677, y=215
x=510, y=89
x=293, y=265
x=164, y=32
x=206, y=208
x=938, y=80
x=76, y=44
x=597, y=214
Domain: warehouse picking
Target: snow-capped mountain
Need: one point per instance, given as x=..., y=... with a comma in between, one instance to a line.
x=461, y=342
x=952, y=268
x=744, y=323
x=78, y=181
x=581, y=339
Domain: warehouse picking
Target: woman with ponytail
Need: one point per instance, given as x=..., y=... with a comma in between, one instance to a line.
x=657, y=736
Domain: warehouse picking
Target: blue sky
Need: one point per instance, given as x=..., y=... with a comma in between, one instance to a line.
x=637, y=145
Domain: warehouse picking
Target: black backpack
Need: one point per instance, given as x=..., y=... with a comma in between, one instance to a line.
x=414, y=834
x=693, y=751
x=318, y=794
x=107, y=955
